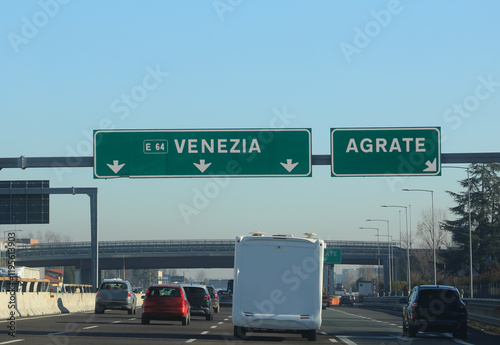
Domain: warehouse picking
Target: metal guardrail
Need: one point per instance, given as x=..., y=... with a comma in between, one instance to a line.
x=480, y=310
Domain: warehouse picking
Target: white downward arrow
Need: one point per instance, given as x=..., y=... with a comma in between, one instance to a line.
x=431, y=166
x=115, y=166
x=202, y=166
x=289, y=166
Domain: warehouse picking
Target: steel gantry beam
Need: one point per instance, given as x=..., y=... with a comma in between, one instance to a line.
x=92, y=193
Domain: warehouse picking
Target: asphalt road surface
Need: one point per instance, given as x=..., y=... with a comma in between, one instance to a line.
x=341, y=325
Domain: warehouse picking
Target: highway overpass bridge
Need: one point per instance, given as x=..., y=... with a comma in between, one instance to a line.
x=164, y=254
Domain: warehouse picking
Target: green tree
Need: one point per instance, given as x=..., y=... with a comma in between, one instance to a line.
x=485, y=220
x=69, y=276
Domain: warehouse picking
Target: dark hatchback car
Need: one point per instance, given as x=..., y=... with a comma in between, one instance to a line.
x=215, y=298
x=166, y=302
x=225, y=297
x=346, y=299
x=200, y=300
x=434, y=308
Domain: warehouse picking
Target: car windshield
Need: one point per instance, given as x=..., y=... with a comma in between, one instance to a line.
x=165, y=292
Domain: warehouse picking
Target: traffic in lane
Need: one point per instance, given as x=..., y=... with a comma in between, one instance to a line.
x=351, y=325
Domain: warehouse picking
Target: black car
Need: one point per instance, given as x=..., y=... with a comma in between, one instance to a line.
x=225, y=297
x=215, y=298
x=200, y=300
x=434, y=308
x=346, y=299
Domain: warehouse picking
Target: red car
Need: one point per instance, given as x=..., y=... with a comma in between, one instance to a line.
x=166, y=302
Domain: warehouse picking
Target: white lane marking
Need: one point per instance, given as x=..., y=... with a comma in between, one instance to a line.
x=190, y=340
x=347, y=341
x=89, y=327
x=333, y=340
x=213, y=327
x=34, y=318
x=57, y=333
x=134, y=318
x=204, y=332
x=12, y=341
x=220, y=323
x=226, y=319
x=116, y=321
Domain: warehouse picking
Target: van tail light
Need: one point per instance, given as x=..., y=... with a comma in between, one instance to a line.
x=129, y=295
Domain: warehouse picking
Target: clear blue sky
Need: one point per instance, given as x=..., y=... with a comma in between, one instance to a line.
x=67, y=68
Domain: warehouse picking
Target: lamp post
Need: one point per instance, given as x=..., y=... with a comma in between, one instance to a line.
x=433, y=231
x=378, y=252
x=407, y=244
x=388, y=247
x=470, y=230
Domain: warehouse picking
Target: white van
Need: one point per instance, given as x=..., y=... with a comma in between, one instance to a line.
x=277, y=284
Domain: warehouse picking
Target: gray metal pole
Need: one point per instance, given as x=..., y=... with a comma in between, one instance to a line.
x=94, y=241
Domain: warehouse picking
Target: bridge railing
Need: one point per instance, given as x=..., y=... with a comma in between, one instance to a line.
x=175, y=246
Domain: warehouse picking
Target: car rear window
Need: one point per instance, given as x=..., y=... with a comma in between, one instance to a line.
x=114, y=286
x=194, y=291
x=433, y=298
x=165, y=292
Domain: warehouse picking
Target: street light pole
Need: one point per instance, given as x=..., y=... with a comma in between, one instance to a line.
x=407, y=244
x=433, y=231
x=388, y=248
x=378, y=253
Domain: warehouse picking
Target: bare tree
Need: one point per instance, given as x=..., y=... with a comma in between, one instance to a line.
x=50, y=237
x=422, y=255
x=201, y=276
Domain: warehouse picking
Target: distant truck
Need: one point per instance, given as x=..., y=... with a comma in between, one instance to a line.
x=115, y=294
x=277, y=285
x=365, y=288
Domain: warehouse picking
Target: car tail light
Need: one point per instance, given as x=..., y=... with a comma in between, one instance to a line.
x=414, y=305
x=129, y=295
x=207, y=297
x=216, y=295
x=98, y=293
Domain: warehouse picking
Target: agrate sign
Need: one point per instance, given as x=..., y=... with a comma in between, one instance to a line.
x=386, y=151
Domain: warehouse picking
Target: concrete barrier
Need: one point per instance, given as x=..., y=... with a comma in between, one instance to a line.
x=46, y=303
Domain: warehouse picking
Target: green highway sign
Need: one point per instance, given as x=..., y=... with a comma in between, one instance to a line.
x=386, y=151
x=333, y=255
x=203, y=153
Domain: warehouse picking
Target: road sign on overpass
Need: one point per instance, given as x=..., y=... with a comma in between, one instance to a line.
x=386, y=151
x=202, y=153
x=333, y=255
